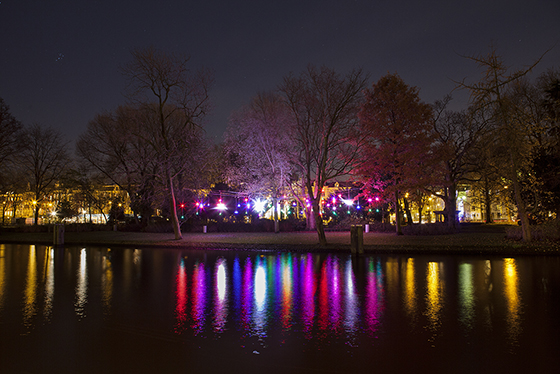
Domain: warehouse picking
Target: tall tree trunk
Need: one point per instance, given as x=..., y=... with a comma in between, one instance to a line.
x=276, y=222
x=397, y=214
x=36, y=214
x=319, y=221
x=407, y=211
x=487, y=203
x=521, y=209
x=174, y=218
x=451, y=206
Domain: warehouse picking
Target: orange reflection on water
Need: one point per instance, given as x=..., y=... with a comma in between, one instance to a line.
x=29, y=307
x=513, y=299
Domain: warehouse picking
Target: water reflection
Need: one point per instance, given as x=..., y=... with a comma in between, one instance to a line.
x=49, y=282
x=220, y=296
x=434, y=297
x=107, y=281
x=410, y=291
x=513, y=299
x=81, y=286
x=466, y=295
x=30, y=308
x=318, y=299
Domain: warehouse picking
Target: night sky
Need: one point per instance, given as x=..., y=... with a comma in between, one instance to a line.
x=59, y=60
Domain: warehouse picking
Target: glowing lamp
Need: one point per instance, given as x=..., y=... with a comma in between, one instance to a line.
x=348, y=202
x=259, y=205
x=221, y=206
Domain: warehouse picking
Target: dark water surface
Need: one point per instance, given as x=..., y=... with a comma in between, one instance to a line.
x=101, y=310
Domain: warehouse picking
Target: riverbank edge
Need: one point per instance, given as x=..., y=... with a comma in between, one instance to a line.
x=504, y=248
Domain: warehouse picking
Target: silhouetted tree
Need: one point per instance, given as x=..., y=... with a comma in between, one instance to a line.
x=173, y=101
x=494, y=95
x=43, y=160
x=325, y=129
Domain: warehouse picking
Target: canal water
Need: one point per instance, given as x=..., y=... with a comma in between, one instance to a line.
x=103, y=310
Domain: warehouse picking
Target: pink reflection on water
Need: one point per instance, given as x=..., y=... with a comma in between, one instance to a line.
x=308, y=296
x=199, y=298
x=373, y=307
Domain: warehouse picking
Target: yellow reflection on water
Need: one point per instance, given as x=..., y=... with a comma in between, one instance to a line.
x=513, y=299
x=29, y=307
x=466, y=295
x=434, y=297
x=49, y=282
x=410, y=290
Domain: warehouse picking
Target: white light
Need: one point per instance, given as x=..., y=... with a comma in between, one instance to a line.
x=259, y=205
x=221, y=206
x=348, y=201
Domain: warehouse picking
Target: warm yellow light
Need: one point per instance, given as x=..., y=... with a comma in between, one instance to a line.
x=34, y=202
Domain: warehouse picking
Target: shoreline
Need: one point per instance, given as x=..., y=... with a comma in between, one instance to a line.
x=489, y=242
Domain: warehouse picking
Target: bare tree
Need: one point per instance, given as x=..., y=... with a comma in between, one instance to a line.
x=258, y=148
x=493, y=94
x=324, y=106
x=174, y=100
x=455, y=136
x=43, y=160
x=112, y=146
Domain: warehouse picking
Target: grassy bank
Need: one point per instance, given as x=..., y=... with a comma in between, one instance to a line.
x=472, y=239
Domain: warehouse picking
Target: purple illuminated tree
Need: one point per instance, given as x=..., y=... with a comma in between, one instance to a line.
x=258, y=148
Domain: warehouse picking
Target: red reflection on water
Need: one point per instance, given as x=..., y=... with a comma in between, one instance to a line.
x=287, y=297
x=182, y=296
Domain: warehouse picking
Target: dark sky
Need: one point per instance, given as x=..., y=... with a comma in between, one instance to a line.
x=59, y=60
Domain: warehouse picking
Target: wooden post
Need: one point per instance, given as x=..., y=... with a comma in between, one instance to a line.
x=357, y=239
x=58, y=234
